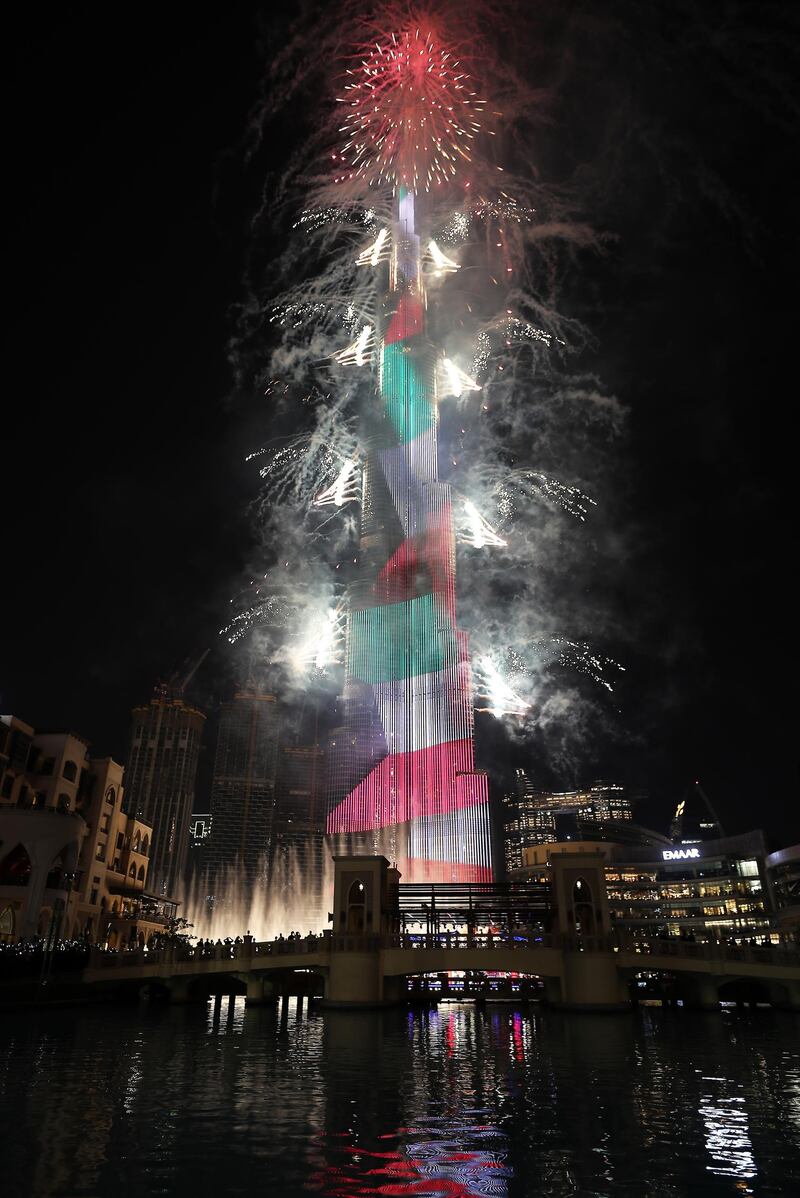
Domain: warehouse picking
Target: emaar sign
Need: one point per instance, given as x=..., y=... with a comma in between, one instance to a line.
x=680, y=854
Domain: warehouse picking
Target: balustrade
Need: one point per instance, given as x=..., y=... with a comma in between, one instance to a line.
x=247, y=949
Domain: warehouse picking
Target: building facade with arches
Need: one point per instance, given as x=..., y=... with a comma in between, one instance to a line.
x=73, y=862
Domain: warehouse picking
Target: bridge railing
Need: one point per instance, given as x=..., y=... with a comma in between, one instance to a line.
x=246, y=949
x=454, y=941
x=786, y=954
x=713, y=950
x=242, y=949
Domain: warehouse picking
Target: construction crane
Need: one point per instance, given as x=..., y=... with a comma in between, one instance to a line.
x=710, y=809
x=183, y=676
x=676, y=827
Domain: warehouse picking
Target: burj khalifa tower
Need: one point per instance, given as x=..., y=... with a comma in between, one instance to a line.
x=403, y=781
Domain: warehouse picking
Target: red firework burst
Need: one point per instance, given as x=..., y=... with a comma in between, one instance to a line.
x=412, y=114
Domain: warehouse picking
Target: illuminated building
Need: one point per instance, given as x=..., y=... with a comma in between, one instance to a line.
x=299, y=807
x=199, y=836
x=243, y=788
x=532, y=816
x=403, y=781
x=526, y=820
x=610, y=801
x=717, y=890
x=160, y=780
x=73, y=863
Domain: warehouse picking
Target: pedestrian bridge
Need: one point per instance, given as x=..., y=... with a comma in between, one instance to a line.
x=579, y=972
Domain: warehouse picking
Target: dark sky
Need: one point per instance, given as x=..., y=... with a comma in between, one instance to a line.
x=124, y=526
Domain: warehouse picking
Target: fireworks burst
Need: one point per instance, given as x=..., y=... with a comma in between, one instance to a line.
x=302, y=466
x=377, y=252
x=296, y=315
x=502, y=208
x=456, y=231
x=345, y=488
x=321, y=642
x=360, y=351
x=492, y=688
x=410, y=120
x=411, y=114
x=453, y=381
x=580, y=656
x=503, y=334
x=440, y=263
x=314, y=219
x=261, y=611
x=500, y=675
x=475, y=530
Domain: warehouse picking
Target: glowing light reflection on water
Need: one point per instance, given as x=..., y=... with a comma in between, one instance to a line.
x=459, y=1102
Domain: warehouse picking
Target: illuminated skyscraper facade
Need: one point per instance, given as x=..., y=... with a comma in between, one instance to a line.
x=403, y=777
x=532, y=816
x=162, y=766
x=243, y=789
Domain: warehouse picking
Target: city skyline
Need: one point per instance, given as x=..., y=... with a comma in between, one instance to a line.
x=691, y=545
x=397, y=770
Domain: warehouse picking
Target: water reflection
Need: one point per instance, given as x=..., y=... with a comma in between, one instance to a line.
x=430, y=1159
x=727, y=1140
x=451, y=1101
x=439, y=1073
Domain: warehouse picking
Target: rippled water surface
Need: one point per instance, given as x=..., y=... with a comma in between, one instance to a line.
x=112, y=1101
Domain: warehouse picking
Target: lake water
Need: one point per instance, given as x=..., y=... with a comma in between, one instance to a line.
x=122, y=1101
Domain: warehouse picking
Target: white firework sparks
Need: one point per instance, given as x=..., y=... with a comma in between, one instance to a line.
x=483, y=351
x=441, y=264
x=320, y=645
x=502, y=334
x=379, y=251
x=302, y=466
x=452, y=380
x=360, y=351
x=503, y=208
x=515, y=329
x=345, y=488
x=580, y=656
x=493, y=689
x=313, y=219
x=477, y=531
x=295, y=315
x=456, y=230
x=350, y=319
x=532, y=484
x=271, y=611
x=495, y=671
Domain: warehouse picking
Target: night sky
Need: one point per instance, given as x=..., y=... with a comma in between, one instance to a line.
x=125, y=532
